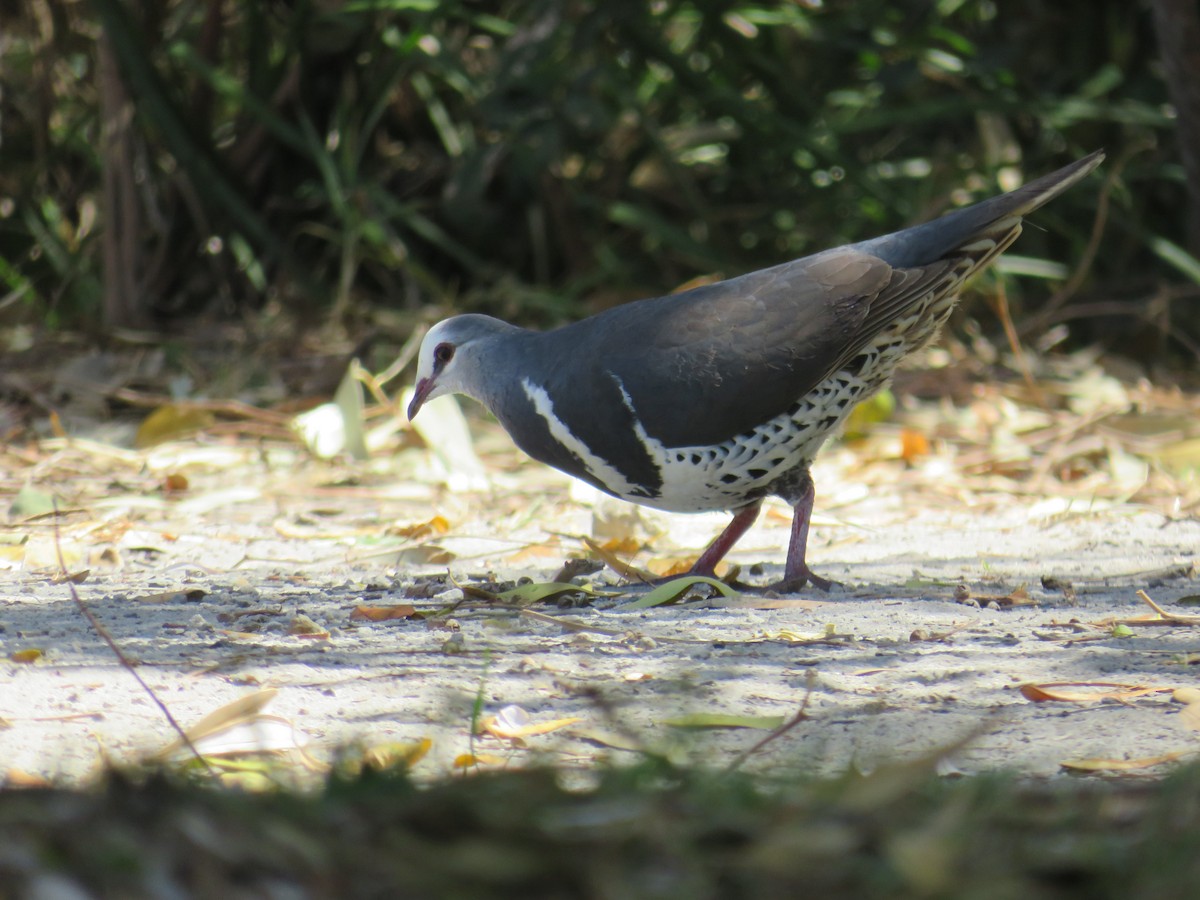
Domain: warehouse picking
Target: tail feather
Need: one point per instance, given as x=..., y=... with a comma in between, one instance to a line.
x=923, y=244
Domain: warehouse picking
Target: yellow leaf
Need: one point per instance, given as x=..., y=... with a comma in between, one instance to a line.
x=29, y=655
x=170, y=422
x=396, y=755
x=514, y=723
x=419, y=530
x=868, y=414
x=1123, y=765
x=627, y=545
x=467, y=760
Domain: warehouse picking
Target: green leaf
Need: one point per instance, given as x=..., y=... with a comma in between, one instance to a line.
x=1015, y=264
x=723, y=720
x=1176, y=257
x=674, y=589
x=31, y=502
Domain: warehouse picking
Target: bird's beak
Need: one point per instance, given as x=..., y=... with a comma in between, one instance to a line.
x=420, y=395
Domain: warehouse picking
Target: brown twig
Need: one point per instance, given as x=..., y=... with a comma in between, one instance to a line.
x=1014, y=343
x=800, y=716
x=224, y=407
x=121, y=657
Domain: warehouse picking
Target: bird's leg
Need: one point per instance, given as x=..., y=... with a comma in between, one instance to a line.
x=796, y=572
x=742, y=520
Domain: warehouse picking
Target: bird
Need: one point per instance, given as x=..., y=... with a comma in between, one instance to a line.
x=717, y=397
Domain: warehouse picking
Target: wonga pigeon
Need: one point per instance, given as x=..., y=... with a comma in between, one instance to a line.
x=717, y=397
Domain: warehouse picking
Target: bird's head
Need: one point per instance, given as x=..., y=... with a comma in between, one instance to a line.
x=451, y=359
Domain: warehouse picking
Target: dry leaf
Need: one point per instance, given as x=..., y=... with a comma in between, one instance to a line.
x=29, y=655
x=421, y=530
x=622, y=568
x=514, y=723
x=244, y=709
x=174, y=483
x=467, y=760
x=302, y=626
x=1123, y=765
x=765, y=603
x=627, y=545
x=913, y=444
x=363, y=613
x=1190, y=698
x=397, y=755
x=1019, y=597
x=1093, y=691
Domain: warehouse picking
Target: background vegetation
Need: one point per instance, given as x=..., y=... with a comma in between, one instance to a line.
x=541, y=159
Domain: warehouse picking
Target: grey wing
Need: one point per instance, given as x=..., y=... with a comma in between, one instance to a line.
x=718, y=361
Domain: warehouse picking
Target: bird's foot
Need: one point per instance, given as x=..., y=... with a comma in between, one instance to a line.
x=794, y=582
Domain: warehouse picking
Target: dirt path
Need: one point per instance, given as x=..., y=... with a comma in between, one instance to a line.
x=204, y=586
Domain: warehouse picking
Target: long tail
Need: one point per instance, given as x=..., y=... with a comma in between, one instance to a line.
x=924, y=244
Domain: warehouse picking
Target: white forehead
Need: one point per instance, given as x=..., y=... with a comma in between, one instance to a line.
x=438, y=334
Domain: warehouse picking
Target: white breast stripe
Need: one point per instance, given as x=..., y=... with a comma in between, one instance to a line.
x=600, y=469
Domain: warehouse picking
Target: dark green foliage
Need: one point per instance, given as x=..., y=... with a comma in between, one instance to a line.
x=540, y=159
x=647, y=832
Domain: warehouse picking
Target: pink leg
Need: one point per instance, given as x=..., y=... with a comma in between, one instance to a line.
x=742, y=520
x=796, y=573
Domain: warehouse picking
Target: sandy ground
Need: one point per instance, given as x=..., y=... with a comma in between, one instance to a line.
x=202, y=589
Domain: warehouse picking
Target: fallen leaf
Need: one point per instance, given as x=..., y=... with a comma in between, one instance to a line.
x=468, y=760
x=363, y=613
x=765, y=603
x=622, y=568
x=1172, y=618
x=1123, y=765
x=866, y=415
x=673, y=590
x=189, y=594
x=724, y=720
x=174, y=483
x=913, y=444
x=28, y=655
x=349, y=400
x=419, y=530
x=1190, y=698
x=1018, y=597
x=626, y=545
x=30, y=502
x=536, y=592
x=302, y=626
x=1093, y=691
x=1181, y=457
x=244, y=709
x=514, y=723
x=423, y=555
x=170, y=422
x=444, y=429
x=396, y=755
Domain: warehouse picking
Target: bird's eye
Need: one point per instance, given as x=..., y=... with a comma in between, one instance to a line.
x=443, y=353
